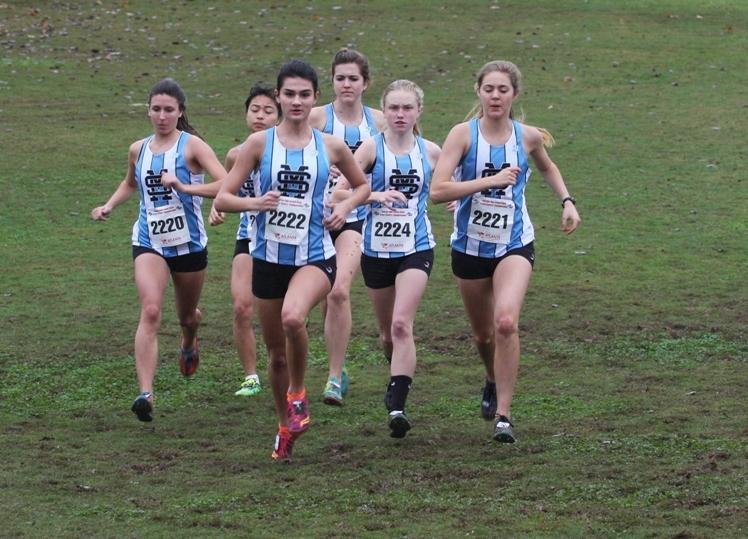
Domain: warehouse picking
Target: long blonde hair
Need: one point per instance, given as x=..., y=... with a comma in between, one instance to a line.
x=409, y=86
x=515, y=78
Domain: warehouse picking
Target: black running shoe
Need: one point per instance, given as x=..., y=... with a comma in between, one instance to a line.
x=142, y=406
x=488, y=403
x=502, y=431
x=399, y=424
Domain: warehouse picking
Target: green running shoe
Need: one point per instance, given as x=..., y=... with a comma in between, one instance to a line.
x=250, y=386
x=333, y=392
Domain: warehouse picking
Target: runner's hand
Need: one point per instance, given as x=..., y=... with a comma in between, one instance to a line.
x=169, y=180
x=216, y=217
x=391, y=198
x=101, y=213
x=504, y=178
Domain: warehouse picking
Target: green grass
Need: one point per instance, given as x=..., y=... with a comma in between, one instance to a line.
x=630, y=402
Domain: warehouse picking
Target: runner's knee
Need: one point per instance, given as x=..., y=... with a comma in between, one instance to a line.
x=150, y=314
x=506, y=326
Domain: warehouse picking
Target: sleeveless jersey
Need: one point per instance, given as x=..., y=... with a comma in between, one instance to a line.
x=353, y=136
x=406, y=229
x=169, y=222
x=490, y=223
x=249, y=188
x=293, y=233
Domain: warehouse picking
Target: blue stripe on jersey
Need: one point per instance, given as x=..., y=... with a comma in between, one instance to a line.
x=370, y=121
x=317, y=234
x=329, y=119
x=287, y=253
x=140, y=228
x=266, y=184
x=520, y=207
x=424, y=238
x=482, y=160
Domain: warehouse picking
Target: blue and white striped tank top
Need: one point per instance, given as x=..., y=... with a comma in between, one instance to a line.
x=168, y=217
x=293, y=234
x=402, y=231
x=490, y=223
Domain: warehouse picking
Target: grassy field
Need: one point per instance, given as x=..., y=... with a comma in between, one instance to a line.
x=630, y=406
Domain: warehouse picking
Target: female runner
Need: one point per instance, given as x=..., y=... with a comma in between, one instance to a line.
x=349, y=119
x=168, y=239
x=294, y=258
x=398, y=246
x=492, y=241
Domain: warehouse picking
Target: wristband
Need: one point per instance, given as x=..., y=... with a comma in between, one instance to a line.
x=568, y=199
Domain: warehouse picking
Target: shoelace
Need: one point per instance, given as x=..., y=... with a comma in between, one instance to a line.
x=298, y=407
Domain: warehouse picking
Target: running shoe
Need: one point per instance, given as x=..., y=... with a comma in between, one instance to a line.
x=398, y=423
x=333, y=392
x=344, y=381
x=488, y=403
x=298, y=416
x=283, y=447
x=250, y=386
x=189, y=360
x=502, y=431
x=142, y=406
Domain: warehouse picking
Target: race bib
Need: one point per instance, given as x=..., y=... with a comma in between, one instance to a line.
x=167, y=226
x=289, y=222
x=393, y=230
x=491, y=219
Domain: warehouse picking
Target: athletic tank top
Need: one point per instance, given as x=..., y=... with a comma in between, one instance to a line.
x=293, y=234
x=397, y=232
x=169, y=222
x=492, y=222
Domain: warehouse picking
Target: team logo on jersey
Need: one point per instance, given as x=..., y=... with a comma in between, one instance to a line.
x=490, y=170
x=294, y=183
x=248, y=187
x=407, y=184
x=156, y=191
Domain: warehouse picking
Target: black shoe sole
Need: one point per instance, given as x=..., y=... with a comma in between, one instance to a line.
x=504, y=438
x=142, y=408
x=399, y=426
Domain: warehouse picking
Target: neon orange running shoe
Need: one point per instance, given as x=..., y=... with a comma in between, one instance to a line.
x=298, y=416
x=283, y=447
